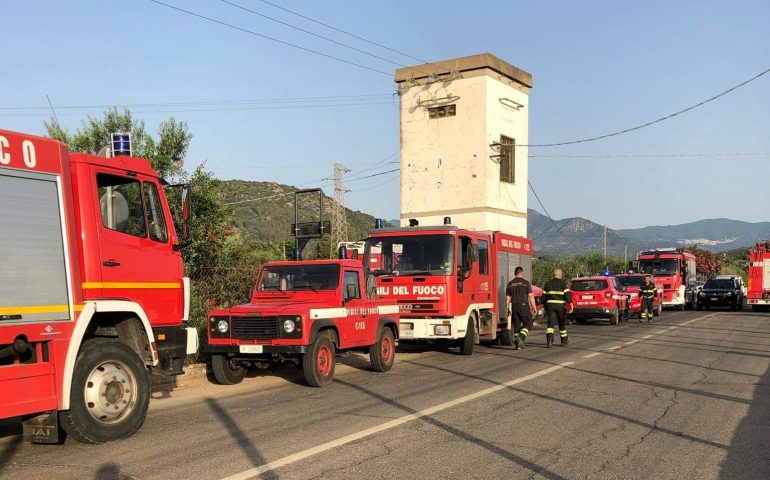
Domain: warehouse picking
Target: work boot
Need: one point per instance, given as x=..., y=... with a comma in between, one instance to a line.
x=549, y=339
x=516, y=343
x=564, y=341
x=522, y=341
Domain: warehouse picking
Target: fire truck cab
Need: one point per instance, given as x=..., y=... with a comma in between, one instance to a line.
x=449, y=282
x=92, y=291
x=672, y=269
x=304, y=312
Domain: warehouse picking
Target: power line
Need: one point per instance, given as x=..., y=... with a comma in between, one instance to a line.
x=657, y=120
x=549, y=216
x=336, y=29
x=645, y=155
x=272, y=39
x=310, y=33
x=240, y=102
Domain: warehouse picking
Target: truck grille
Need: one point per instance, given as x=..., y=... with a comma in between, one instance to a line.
x=255, y=328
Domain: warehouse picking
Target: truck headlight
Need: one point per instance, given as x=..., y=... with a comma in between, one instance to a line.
x=223, y=326
x=441, y=329
x=289, y=325
x=729, y=294
x=701, y=294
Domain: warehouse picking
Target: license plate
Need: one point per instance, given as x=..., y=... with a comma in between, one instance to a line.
x=587, y=297
x=251, y=348
x=714, y=299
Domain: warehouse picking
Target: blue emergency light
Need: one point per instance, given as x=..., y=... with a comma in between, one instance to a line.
x=378, y=223
x=607, y=272
x=121, y=145
x=447, y=220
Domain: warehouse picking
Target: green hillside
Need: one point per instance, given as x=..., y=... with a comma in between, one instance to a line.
x=268, y=217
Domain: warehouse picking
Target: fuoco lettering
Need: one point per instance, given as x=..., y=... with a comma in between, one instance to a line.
x=5, y=157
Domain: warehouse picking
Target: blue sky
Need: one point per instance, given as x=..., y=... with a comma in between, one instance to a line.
x=597, y=66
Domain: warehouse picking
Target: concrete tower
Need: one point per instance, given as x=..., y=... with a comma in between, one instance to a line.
x=463, y=122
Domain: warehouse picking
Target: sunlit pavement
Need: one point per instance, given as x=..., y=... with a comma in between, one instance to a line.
x=685, y=397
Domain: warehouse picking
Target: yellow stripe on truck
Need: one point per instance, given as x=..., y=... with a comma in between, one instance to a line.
x=146, y=285
x=34, y=309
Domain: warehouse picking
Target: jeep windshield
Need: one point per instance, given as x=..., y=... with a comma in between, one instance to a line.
x=410, y=255
x=659, y=266
x=315, y=278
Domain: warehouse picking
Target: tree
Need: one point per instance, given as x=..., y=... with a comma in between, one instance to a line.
x=165, y=153
x=706, y=263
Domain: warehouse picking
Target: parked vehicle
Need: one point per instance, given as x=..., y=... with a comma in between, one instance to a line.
x=738, y=280
x=673, y=268
x=304, y=312
x=758, y=291
x=448, y=282
x=691, y=293
x=92, y=291
x=721, y=292
x=599, y=297
x=632, y=283
x=539, y=301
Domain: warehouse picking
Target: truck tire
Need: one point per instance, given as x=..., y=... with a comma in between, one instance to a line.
x=466, y=343
x=225, y=371
x=110, y=392
x=614, y=317
x=658, y=310
x=319, y=360
x=506, y=338
x=383, y=353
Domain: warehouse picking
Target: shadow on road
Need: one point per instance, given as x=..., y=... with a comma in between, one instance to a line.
x=749, y=452
x=240, y=437
x=110, y=471
x=533, y=467
x=8, y=451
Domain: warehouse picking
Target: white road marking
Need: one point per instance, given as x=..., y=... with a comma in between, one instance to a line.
x=659, y=332
x=592, y=355
x=631, y=342
x=282, y=462
x=695, y=320
x=616, y=347
x=646, y=337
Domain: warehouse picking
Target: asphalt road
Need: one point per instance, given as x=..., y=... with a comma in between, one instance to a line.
x=686, y=397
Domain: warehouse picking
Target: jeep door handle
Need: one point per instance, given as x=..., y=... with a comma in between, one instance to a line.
x=111, y=263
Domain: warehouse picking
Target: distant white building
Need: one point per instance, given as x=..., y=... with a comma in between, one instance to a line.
x=463, y=124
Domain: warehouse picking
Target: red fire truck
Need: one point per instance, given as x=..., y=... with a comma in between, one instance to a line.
x=672, y=269
x=92, y=291
x=304, y=312
x=758, y=295
x=448, y=282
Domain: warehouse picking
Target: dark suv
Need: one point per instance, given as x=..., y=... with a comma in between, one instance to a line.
x=721, y=292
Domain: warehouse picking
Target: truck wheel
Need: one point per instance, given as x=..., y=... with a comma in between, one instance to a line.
x=658, y=310
x=614, y=317
x=110, y=392
x=466, y=344
x=506, y=338
x=383, y=353
x=318, y=361
x=226, y=371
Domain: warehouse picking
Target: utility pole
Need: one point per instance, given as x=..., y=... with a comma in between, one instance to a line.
x=605, y=241
x=625, y=257
x=339, y=222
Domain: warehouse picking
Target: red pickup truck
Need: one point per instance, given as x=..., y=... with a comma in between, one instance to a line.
x=304, y=312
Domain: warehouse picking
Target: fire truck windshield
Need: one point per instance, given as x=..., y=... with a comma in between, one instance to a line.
x=299, y=277
x=410, y=255
x=630, y=280
x=659, y=266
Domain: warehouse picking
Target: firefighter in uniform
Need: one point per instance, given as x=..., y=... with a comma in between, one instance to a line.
x=521, y=306
x=647, y=293
x=557, y=296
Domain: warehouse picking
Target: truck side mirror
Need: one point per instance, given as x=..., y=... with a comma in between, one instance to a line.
x=186, y=212
x=350, y=291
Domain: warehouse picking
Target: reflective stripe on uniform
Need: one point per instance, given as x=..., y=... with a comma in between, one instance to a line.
x=524, y=332
x=554, y=301
x=562, y=333
x=549, y=330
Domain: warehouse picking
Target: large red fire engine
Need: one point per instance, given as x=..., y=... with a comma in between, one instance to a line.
x=448, y=282
x=758, y=295
x=92, y=291
x=672, y=268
